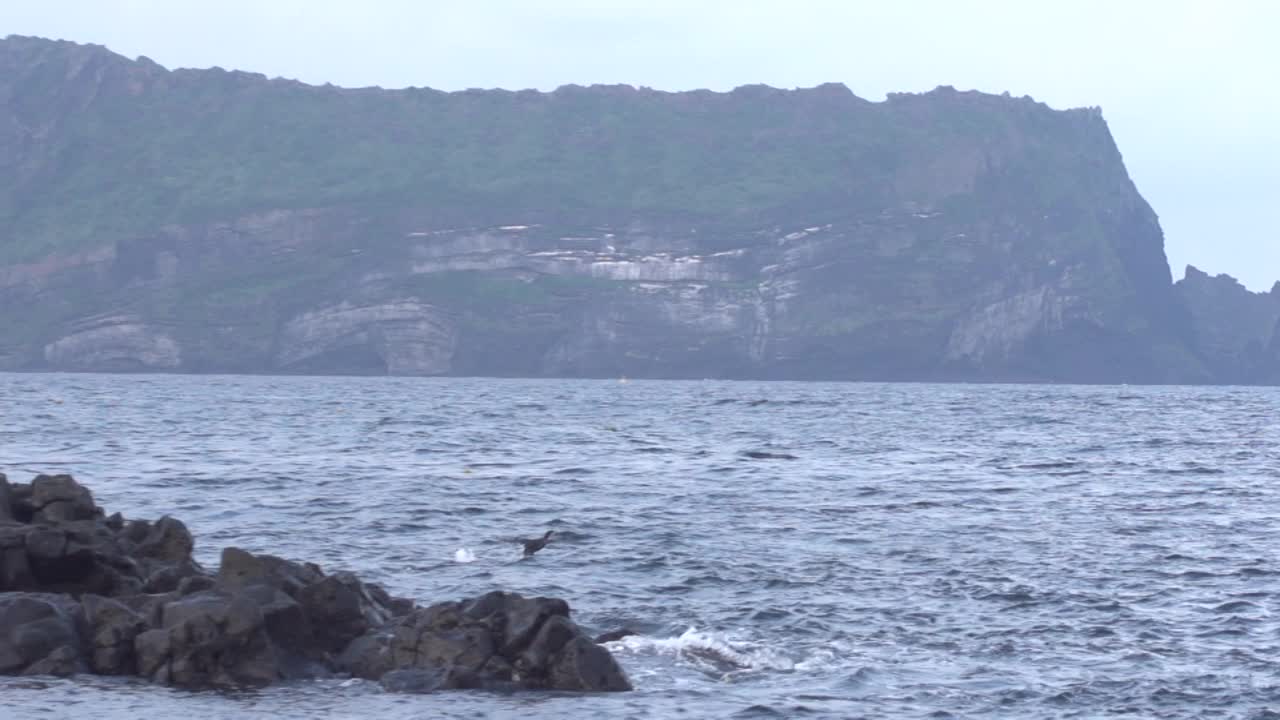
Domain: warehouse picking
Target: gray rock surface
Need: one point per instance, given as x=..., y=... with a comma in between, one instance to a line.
x=1237, y=331
x=39, y=635
x=496, y=641
x=112, y=628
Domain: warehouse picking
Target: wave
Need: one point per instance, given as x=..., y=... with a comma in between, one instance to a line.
x=721, y=655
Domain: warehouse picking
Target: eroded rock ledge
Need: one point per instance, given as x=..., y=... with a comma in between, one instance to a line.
x=81, y=592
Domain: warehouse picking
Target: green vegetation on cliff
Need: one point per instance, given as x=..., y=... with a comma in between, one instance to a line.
x=103, y=147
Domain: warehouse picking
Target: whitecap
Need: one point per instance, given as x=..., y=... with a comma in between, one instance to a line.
x=708, y=651
x=464, y=555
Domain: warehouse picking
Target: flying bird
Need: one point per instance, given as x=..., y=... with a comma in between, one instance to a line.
x=536, y=544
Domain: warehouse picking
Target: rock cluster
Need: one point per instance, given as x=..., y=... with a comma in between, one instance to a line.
x=81, y=592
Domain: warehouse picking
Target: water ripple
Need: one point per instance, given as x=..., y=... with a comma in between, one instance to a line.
x=784, y=549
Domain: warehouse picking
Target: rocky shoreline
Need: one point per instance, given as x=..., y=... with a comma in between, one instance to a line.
x=84, y=592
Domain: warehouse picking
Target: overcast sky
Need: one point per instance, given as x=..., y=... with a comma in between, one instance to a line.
x=1191, y=89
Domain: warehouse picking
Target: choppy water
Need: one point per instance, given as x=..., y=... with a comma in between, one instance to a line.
x=929, y=551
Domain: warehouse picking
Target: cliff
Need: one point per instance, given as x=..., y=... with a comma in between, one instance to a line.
x=1237, y=331
x=204, y=220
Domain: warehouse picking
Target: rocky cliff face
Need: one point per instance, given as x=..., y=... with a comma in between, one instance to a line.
x=212, y=221
x=1237, y=331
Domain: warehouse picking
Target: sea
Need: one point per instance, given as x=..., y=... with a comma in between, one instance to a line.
x=782, y=550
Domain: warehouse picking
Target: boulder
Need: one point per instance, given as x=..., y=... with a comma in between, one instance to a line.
x=168, y=541
x=442, y=636
x=39, y=635
x=501, y=640
x=340, y=609
x=161, y=550
x=290, y=630
x=525, y=617
x=20, y=502
x=112, y=629
x=196, y=583
x=149, y=607
x=59, y=498
x=310, y=616
x=584, y=665
x=368, y=656
x=15, y=571
x=6, y=500
x=540, y=653
x=239, y=569
x=56, y=560
x=75, y=558
x=169, y=578
x=209, y=640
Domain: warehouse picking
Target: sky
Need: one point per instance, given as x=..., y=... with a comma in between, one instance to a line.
x=1190, y=89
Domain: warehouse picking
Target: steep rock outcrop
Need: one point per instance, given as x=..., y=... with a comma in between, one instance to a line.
x=1237, y=331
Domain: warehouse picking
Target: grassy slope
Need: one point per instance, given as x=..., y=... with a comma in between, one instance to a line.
x=143, y=147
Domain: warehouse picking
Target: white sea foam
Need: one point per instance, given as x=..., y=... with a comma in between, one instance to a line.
x=463, y=555
x=711, y=652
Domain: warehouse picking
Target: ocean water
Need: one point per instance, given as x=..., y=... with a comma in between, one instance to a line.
x=784, y=549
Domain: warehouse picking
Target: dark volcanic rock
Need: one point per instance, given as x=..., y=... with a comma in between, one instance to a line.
x=6, y=500
x=501, y=641
x=341, y=609
x=71, y=557
x=583, y=665
x=239, y=569
x=15, y=571
x=117, y=597
x=59, y=498
x=169, y=578
x=196, y=583
x=168, y=540
x=39, y=635
x=112, y=629
x=441, y=636
x=309, y=614
x=209, y=640
x=368, y=656
x=57, y=540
